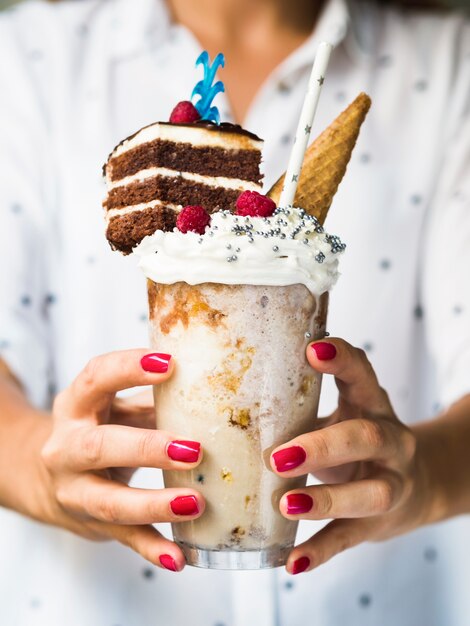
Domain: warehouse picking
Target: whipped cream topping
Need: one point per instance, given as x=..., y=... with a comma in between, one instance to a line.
x=287, y=248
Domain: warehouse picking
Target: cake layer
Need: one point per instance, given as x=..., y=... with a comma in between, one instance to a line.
x=127, y=230
x=205, y=160
x=175, y=190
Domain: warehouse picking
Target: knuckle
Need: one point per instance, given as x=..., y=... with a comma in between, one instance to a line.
x=50, y=454
x=342, y=538
x=63, y=497
x=59, y=403
x=147, y=445
x=107, y=509
x=383, y=496
x=344, y=541
x=92, y=444
x=153, y=511
x=318, y=556
x=324, y=501
x=408, y=442
x=362, y=356
x=130, y=537
x=373, y=434
x=320, y=448
x=87, y=376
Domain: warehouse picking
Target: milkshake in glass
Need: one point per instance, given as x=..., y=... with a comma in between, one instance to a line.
x=237, y=288
x=237, y=329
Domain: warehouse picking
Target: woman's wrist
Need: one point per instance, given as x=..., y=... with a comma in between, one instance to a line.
x=24, y=484
x=23, y=431
x=443, y=463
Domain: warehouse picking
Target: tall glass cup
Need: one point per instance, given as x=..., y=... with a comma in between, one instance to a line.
x=241, y=387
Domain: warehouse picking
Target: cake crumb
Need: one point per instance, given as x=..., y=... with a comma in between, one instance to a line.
x=240, y=418
x=226, y=475
x=237, y=534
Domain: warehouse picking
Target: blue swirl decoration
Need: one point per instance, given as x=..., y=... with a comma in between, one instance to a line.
x=206, y=90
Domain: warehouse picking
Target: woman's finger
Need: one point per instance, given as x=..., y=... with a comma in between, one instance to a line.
x=93, y=390
x=350, y=441
x=146, y=541
x=334, y=538
x=108, y=501
x=362, y=498
x=92, y=448
x=354, y=375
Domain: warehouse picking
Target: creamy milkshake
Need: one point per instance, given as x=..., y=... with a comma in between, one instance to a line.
x=237, y=329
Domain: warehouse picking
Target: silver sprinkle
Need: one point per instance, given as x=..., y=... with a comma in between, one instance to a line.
x=237, y=250
x=276, y=248
x=229, y=246
x=306, y=242
x=308, y=335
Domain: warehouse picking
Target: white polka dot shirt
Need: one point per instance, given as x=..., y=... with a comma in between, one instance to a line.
x=76, y=78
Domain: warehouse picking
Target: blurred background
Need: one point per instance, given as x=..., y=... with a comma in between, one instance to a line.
x=443, y=3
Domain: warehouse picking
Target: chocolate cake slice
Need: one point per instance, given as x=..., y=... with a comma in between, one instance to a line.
x=154, y=173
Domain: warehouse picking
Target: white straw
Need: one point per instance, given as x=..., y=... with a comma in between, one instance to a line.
x=304, y=127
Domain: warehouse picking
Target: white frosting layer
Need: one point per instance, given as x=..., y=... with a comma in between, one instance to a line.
x=196, y=135
x=288, y=248
x=210, y=181
x=139, y=207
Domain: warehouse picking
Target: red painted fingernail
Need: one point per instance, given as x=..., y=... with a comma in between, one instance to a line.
x=168, y=562
x=289, y=458
x=184, y=505
x=324, y=351
x=186, y=451
x=157, y=363
x=300, y=565
x=298, y=503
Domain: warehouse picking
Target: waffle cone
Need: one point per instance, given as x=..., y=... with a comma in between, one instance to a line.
x=326, y=160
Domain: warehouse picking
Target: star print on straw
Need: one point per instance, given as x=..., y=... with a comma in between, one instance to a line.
x=304, y=126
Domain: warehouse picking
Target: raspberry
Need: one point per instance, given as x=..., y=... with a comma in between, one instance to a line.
x=254, y=204
x=194, y=219
x=184, y=113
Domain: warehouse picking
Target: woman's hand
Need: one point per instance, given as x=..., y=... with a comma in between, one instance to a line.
x=374, y=487
x=97, y=438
